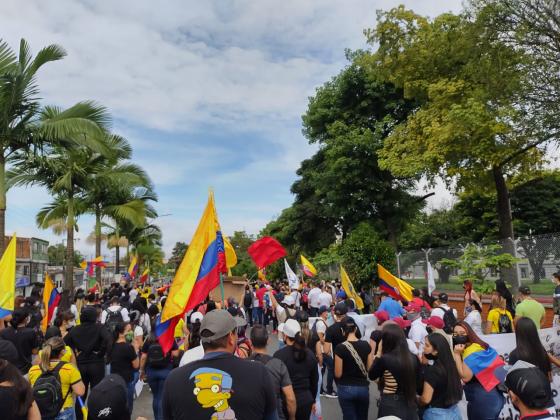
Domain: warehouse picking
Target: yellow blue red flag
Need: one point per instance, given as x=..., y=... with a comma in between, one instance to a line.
x=395, y=287
x=51, y=299
x=308, y=268
x=8, y=279
x=348, y=287
x=132, y=268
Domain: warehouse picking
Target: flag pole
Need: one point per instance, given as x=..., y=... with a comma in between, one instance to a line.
x=222, y=287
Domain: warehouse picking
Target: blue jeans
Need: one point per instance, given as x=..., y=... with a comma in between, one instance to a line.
x=66, y=414
x=130, y=390
x=482, y=405
x=354, y=401
x=156, y=379
x=258, y=316
x=451, y=413
x=328, y=364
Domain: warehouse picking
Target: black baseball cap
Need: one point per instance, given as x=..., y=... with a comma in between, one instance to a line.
x=340, y=308
x=442, y=297
x=530, y=384
x=323, y=309
x=524, y=290
x=108, y=400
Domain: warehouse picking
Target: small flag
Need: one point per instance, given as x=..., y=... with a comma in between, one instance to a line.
x=51, y=298
x=431, y=280
x=397, y=288
x=145, y=276
x=349, y=288
x=8, y=278
x=265, y=251
x=291, y=276
x=132, y=268
x=308, y=268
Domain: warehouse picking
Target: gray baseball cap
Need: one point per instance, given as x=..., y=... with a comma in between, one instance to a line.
x=217, y=324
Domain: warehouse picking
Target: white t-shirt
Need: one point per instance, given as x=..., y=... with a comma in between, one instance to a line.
x=255, y=300
x=418, y=333
x=439, y=312
x=296, y=295
x=475, y=321
x=412, y=347
x=133, y=294
x=115, y=308
x=321, y=326
x=73, y=309
x=325, y=299
x=138, y=331
x=313, y=297
x=196, y=353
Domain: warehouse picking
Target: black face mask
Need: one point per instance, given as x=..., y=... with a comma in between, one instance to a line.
x=460, y=339
x=431, y=356
x=429, y=330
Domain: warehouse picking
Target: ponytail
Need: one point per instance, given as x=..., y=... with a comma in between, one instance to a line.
x=299, y=348
x=52, y=349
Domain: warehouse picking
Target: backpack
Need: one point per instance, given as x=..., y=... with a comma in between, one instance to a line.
x=47, y=392
x=155, y=357
x=504, y=324
x=305, y=297
x=248, y=299
x=113, y=318
x=247, y=346
x=449, y=320
x=314, y=339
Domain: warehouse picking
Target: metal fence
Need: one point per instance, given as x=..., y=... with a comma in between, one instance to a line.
x=538, y=255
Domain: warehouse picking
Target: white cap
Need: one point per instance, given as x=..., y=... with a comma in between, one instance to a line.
x=196, y=316
x=289, y=300
x=289, y=328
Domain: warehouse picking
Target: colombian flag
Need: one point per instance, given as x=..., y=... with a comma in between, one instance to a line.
x=8, y=279
x=145, y=276
x=197, y=275
x=132, y=268
x=397, y=288
x=51, y=298
x=486, y=365
x=308, y=268
x=349, y=288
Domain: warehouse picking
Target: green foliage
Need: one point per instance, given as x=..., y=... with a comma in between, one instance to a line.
x=57, y=255
x=476, y=263
x=240, y=241
x=177, y=255
x=361, y=251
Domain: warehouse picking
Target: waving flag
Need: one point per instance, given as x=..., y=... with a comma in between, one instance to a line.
x=431, y=279
x=291, y=276
x=88, y=266
x=395, y=287
x=486, y=365
x=51, y=298
x=349, y=288
x=265, y=251
x=145, y=276
x=197, y=275
x=308, y=268
x=8, y=278
x=261, y=274
x=132, y=268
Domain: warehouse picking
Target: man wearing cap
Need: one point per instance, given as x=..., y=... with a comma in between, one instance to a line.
x=220, y=386
x=529, y=307
x=442, y=306
x=418, y=332
x=391, y=305
x=313, y=299
x=529, y=390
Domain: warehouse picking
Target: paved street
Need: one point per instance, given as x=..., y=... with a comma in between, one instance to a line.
x=330, y=407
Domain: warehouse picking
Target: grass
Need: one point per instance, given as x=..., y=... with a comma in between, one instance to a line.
x=544, y=288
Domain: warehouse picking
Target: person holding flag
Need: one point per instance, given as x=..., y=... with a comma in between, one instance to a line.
x=51, y=298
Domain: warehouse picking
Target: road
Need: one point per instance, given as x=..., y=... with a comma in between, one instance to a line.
x=330, y=406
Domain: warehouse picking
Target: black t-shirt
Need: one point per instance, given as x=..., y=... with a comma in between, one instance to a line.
x=221, y=385
x=25, y=340
x=351, y=373
x=438, y=381
x=391, y=363
x=122, y=356
x=304, y=374
x=334, y=334
x=8, y=401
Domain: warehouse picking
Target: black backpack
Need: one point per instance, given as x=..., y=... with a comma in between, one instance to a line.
x=156, y=358
x=248, y=299
x=314, y=337
x=47, y=392
x=449, y=320
x=504, y=324
x=113, y=318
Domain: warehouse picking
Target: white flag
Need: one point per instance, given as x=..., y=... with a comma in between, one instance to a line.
x=292, y=277
x=431, y=280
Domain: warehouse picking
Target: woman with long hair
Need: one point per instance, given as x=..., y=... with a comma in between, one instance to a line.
x=504, y=292
x=70, y=378
x=442, y=385
x=470, y=294
x=16, y=396
x=499, y=319
x=352, y=359
x=398, y=372
x=303, y=318
x=124, y=358
x=302, y=367
x=483, y=401
x=474, y=316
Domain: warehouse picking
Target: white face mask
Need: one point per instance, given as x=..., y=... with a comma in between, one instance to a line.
x=71, y=324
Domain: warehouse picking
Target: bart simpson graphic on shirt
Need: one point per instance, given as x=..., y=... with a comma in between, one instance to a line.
x=213, y=389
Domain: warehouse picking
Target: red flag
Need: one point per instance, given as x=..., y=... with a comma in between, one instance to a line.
x=265, y=251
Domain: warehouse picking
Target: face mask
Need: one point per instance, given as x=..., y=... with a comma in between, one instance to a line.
x=129, y=336
x=468, y=309
x=71, y=324
x=430, y=356
x=460, y=339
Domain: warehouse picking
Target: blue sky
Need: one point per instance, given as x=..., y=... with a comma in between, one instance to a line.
x=209, y=93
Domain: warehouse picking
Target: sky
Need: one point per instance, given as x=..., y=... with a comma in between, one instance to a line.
x=209, y=94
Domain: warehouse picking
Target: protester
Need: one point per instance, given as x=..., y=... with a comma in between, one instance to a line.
x=302, y=366
x=219, y=386
x=325, y=298
x=108, y=400
x=303, y=319
x=484, y=400
x=281, y=382
x=470, y=294
x=419, y=303
x=474, y=316
x=504, y=292
x=248, y=304
x=365, y=295
x=63, y=322
x=90, y=342
x=23, y=338
x=529, y=307
x=418, y=332
x=499, y=320
x=351, y=305
x=124, y=358
x=400, y=371
x=316, y=343
x=352, y=361
x=114, y=314
x=16, y=396
x=40, y=377
x=529, y=390
x=442, y=386
x=391, y=306
x=333, y=337
x=313, y=299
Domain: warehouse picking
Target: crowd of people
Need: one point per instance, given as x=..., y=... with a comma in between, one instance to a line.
x=424, y=355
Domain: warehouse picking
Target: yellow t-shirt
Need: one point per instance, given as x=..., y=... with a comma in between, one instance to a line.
x=494, y=317
x=178, y=333
x=69, y=376
x=67, y=357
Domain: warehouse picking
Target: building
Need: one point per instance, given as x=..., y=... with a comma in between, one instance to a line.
x=31, y=260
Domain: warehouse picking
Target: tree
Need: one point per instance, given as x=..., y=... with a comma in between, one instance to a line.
x=471, y=124
x=241, y=241
x=177, y=255
x=57, y=255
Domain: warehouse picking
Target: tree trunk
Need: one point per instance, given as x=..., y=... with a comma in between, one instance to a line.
x=117, y=259
x=69, y=271
x=2, y=203
x=97, y=242
x=503, y=209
